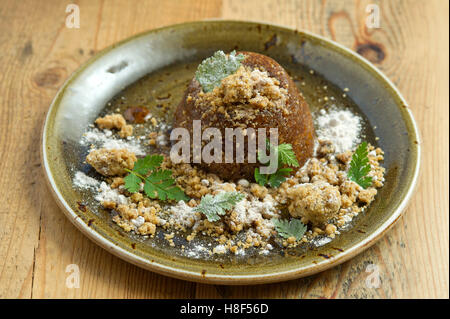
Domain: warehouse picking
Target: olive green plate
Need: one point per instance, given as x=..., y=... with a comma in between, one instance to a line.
x=153, y=68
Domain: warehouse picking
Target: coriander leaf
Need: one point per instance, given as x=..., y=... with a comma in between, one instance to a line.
x=286, y=155
x=148, y=163
x=213, y=69
x=293, y=228
x=360, y=167
x=132, y=183
x=213, y=206
x=275, y=180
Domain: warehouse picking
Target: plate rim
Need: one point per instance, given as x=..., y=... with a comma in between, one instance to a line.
x=231, y=279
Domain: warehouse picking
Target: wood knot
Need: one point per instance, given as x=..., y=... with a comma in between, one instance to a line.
x=371, y=51
x=27, y=50
x=49, y=78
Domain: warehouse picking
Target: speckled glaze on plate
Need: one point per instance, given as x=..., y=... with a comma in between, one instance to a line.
x=153, y=68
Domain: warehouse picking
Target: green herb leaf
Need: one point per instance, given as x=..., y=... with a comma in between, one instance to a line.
x=293, y=228
x=214, y=206
x=148, y=163
x=286, y=156
x=261, y=179
x=213, y=69
x=360, y=167
x=132, y=183
x=275, y=180
x=159, y=184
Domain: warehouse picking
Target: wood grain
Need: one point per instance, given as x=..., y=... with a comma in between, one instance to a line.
x=37, y=242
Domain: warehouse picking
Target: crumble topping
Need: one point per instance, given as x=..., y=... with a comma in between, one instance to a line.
x=115, y=121
x=111, y=162
x=314, y=202
x=242, y=95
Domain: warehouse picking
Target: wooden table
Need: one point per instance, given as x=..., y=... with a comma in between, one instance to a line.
x=38, y=52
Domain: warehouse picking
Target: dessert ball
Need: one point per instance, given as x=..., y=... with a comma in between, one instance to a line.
x=259, y=94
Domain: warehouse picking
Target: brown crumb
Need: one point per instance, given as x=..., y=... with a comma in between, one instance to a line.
x=315, y=203
x=367, y=195
x=115, y=121
x=111, y=162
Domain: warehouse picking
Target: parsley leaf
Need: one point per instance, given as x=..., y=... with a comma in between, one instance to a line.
x=261, y=179
x=293, y=228
x=148, y=163
x=275, y=180
x=286, y=156
x=159, y=184
x=213, y=206
x=132, y=183
x=360, y=167
x=213, y=69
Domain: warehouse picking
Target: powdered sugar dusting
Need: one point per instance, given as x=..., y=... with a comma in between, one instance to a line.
x=81, y=180
x=183, y=214
x=342, y=127
x=106, y=140
x=107, y=194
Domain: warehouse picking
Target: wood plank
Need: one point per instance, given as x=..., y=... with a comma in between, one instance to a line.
x=22, y=113
x=37, y=242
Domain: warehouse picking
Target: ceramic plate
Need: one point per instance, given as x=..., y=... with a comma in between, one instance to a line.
x=153, y=69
